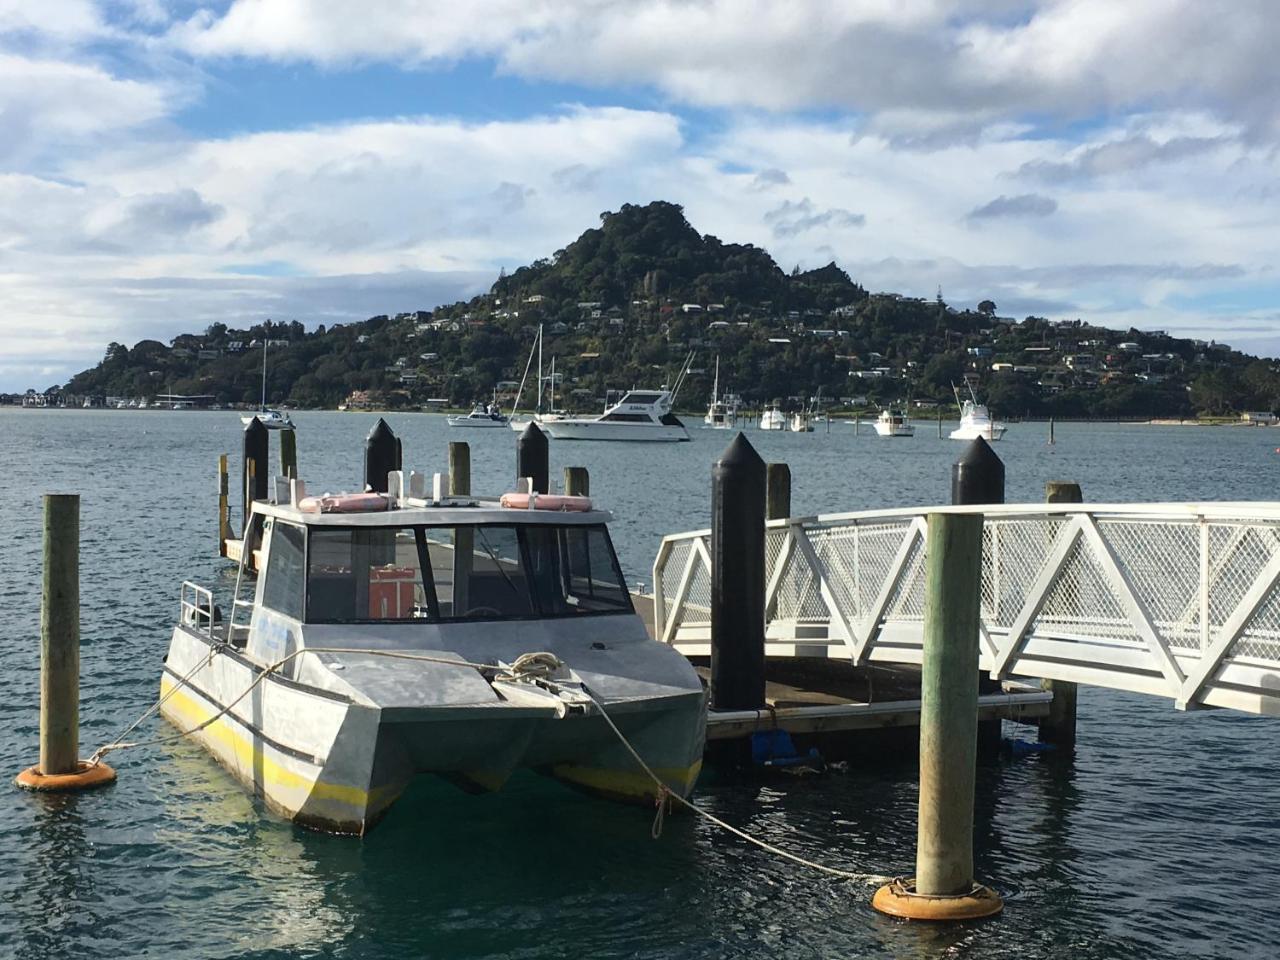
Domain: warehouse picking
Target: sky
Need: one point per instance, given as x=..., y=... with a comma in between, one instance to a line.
x=165, y=165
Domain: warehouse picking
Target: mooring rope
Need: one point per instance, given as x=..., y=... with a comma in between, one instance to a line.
x=528, y=665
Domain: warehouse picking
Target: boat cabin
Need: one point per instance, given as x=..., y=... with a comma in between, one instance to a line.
x=426, y=567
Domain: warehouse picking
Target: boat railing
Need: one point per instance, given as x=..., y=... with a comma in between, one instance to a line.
x=1174, y=599
x=197, y=610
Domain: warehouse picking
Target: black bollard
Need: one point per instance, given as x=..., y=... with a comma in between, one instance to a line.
x=256, y=451
x=978, y=478
x=381, y=456
x=532, y=458
x=737, y=578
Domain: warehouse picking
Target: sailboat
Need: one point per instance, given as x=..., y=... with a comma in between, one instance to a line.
x=271, y=419
x=722, y=414
x=517, y=422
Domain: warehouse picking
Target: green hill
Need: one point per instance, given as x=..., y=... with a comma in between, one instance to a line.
x=625, y=302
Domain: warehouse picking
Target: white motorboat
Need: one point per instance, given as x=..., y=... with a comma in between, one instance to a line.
x=800, y=423
x=271, y=419
x=773, y=418
x=893, y=423
x=975, y=420
x=389, y=637
x=639, y=415
x=722, y=414
x=481, y=416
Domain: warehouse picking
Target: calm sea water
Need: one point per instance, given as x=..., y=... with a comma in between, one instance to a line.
x=1160, y=839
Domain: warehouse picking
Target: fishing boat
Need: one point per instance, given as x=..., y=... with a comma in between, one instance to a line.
x=892, y=422
x=722, y=414
x=975, y=420
x=486, y=416
x=800, y=422
x=390, y=637
x=271, y=419
x=643, y=415
x=773, y=418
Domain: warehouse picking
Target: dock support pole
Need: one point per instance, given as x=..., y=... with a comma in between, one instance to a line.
x=777, y=491
x=256, y=466
x=944, y=887
x=60, y=767
x=381, y=456
x=459, y=468
x=1059, y=727
x=289, y=454
x=977, y=478
x=224, y=517
x=532, y=458
x=737, y=578
x=577, y=482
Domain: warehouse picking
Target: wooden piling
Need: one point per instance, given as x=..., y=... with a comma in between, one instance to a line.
x=60, y=636
x=459, y=468
x=289, y=454
x=382, y=454
x=777, y=487
x=224, y=517
x=533, y=457
x=60, y=767
x=1059, y=727
x=944, y=887
x=256, y=466
x=577, y=482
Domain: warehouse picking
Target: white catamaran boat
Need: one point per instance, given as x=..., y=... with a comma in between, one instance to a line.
x=975, y=420
x=271, y=419
x=773, y=418
x=893, y=423
x=392, y=637
x=639, y=415
x=723, y=413
x=481, y=416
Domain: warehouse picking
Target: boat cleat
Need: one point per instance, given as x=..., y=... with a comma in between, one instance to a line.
x=560, y=689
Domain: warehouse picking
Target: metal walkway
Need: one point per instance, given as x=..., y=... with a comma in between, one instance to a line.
x=1176, y=599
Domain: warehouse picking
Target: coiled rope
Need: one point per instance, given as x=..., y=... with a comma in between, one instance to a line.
x=527, y=666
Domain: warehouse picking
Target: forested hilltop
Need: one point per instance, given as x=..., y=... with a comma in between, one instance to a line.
x=627, y=301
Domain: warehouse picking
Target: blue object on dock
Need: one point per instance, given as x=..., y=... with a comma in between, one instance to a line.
x=1022, y=748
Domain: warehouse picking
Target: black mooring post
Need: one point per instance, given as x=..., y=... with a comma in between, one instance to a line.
x=532, y=458
x=256, y=451
x=381, y=456
x=978, y=478
x=737, y=578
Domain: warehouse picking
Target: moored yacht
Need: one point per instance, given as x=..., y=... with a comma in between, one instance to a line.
x=481, y=416
x=773, y=418
x=389, y=637
x=639, y=415
x=975, y=420
x=893, y=423
x=722, y=414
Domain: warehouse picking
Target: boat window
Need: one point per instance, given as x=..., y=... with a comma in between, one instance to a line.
x=282, y=590
x=628, y=417
x=641, y=398
x=671, y=420
x=469, y=572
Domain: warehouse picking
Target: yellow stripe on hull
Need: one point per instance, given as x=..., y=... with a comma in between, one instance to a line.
x=282, y=787
x=630, y=785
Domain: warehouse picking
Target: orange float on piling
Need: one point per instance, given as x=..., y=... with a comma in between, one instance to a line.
x=87, y=776
x=899, y=899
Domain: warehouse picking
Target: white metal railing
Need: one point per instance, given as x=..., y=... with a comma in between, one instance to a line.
x=1172, y=599
x=196, y=608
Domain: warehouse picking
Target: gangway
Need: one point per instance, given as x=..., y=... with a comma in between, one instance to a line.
x=1179, y=600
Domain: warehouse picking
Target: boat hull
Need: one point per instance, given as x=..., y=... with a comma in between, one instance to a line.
x=990, y=432
x=603, y=430
x=884, y=430
x=336, y=762
x=477, y=423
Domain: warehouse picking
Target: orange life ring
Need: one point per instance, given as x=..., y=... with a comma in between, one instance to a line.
x=344, y=503
x=545, y=501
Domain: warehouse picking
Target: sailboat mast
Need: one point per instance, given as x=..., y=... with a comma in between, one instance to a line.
x=541, y=382
x=263, y=405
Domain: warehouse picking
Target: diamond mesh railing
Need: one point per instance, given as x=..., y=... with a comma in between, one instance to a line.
x=1180, y=600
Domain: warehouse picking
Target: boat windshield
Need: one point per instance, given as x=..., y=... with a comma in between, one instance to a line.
x=466, y=572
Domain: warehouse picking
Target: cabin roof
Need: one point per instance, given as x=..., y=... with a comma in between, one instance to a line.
x=447, y=513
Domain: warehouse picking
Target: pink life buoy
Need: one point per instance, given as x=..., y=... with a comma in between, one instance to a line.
x=545, y=501
x=344, y=503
